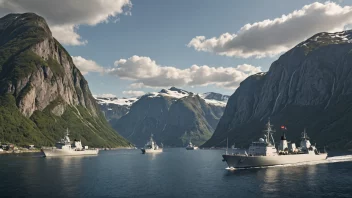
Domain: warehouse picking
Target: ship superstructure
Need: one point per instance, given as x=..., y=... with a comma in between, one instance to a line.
x=190, y=146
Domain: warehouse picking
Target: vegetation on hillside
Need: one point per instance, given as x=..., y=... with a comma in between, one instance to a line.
x=19, y=32
x=44, y=128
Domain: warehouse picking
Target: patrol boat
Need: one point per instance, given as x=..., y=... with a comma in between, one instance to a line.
x=190, y=146
x=65, y=148
x=264, y=153
x=151, y=147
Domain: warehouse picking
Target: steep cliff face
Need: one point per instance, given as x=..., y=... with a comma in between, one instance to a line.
x=40, y=76
x=174, y=116
x=53, y=76
x=310, y=87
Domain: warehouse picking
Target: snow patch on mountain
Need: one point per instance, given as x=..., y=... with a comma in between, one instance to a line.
x=115, y=100
x=210, y=98
x=325, y=38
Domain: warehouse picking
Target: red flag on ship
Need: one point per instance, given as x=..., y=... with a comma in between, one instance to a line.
x=283, y=127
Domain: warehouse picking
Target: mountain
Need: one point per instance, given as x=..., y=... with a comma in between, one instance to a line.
x=310, y=86
x=172, y=115
x=115, y=108
x=42, y=92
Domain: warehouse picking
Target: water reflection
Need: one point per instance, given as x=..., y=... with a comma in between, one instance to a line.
x=278, y=180
x=270, y=185
x=311, y=176
x=66, y=172
x=152, y=156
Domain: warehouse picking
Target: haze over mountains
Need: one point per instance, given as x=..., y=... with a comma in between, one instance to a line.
x=173, y=116
x=42, y=92
x=310, y=86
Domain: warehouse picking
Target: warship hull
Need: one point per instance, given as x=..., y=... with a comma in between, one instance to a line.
x=243, y=161
x=144, y=151
x=191, y=148
x=54, y=152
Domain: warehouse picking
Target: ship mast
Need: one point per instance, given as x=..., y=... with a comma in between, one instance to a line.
x=269, y=133
x=304, y=134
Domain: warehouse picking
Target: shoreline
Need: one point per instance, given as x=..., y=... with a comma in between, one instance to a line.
x=20, y=151
x=117, y=148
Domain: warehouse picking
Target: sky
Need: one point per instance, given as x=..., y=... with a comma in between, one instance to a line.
x=127, y=48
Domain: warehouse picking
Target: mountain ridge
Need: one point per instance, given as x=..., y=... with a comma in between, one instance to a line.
x=307, y=87
x=173, y=115
x=115, y=107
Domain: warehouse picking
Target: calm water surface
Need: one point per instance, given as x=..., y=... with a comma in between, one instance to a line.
x=173, y=173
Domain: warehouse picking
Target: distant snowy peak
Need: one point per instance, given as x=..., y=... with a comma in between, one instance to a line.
x=174, y=89
x=115, y=100
x=173, y=92
x=216, y=96
x=210, y=98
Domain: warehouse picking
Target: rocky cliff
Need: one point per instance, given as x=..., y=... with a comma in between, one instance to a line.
x=42, y=91
x=173, y=116
x=310, y=86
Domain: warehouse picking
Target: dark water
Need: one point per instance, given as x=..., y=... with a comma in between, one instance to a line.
x=174, y=173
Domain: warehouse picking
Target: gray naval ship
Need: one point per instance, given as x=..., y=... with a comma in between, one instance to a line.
x=264, y=153
x=191, y=146
x=151, y=147
x=65, y=148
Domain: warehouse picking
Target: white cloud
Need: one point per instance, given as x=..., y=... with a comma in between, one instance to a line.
x=136, y=86
x=86, y=66
x=66, y=34
x=221, y=76
x=271, y=37
x=145, y=72
x=65, y=16
x=133, y=93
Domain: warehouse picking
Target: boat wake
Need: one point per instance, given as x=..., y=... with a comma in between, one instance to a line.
x=335, y=159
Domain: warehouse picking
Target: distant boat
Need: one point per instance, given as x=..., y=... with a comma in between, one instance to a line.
x=190, y=146
x=64, y=148
x=151, y=147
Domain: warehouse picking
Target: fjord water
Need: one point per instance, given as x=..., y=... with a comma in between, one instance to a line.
x=173, y=173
